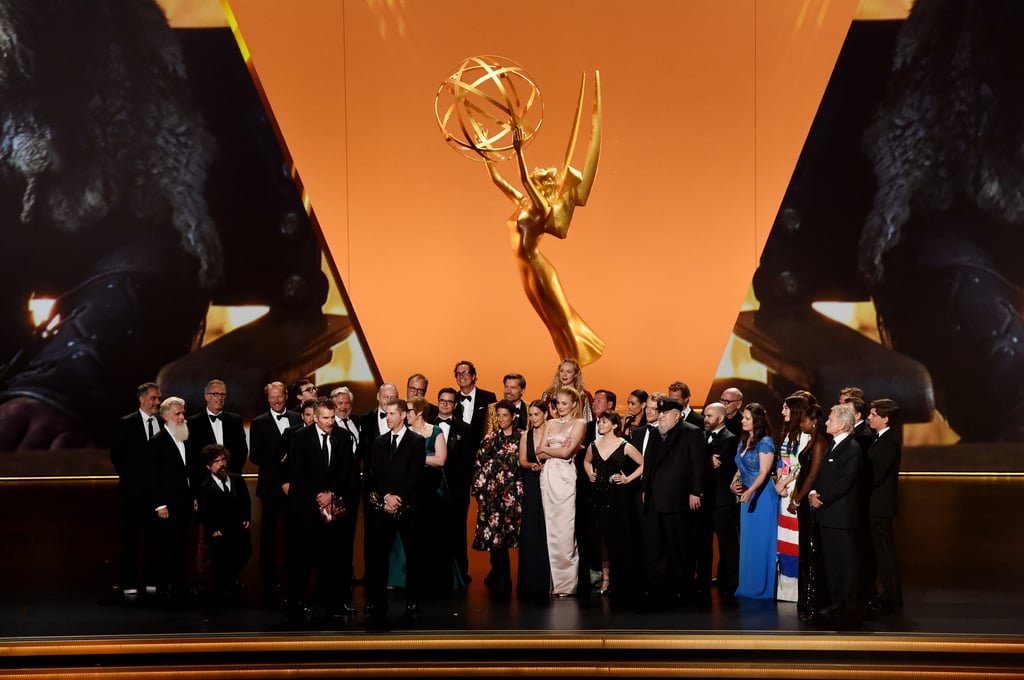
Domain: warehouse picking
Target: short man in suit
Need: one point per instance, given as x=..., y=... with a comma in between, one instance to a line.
x=458, y=468
x=171, y=498
x=473, y=401
x=416, y=386
x=129, y=452
x=514, y=386
x=680, y=391
x=321, y=468
x=224, y=509
x=732, y=399
x=214, y=425
x=672, y=491
x=392, y=475
x=883, y=460
x=266, y=451
x=836, y=501
x=604, y=400
x=725, y=516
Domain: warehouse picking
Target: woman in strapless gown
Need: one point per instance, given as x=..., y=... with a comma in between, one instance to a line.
x=559, y=443
x=534, y=568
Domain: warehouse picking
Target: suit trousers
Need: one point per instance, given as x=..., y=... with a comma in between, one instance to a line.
x=381, y=529
x=726, y=522
x=134, y=532
x=321, y=546
x=669, y=555
x=842, y=565
x=272, y=510
x=887, y=582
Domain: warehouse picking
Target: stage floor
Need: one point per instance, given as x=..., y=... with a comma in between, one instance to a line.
x=959, y=538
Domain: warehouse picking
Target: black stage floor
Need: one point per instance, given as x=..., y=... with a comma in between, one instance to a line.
x=959, y=537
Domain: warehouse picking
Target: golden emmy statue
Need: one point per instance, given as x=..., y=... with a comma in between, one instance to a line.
x=491, y=99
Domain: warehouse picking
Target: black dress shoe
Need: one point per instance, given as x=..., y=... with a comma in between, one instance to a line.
x=412, y=609
x=299, y=614
x=343, y=610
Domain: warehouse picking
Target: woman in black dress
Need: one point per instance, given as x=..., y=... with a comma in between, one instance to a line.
x=810, y=578
x=534, y=569
x=612, y=463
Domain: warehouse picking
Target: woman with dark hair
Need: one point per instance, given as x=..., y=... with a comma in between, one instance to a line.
x=759, y=508
x=612, y=463
x=793, y=440
x=810, y=565
x=433, y=504
x=499, y=492
x=534, y=569
x=636, y=415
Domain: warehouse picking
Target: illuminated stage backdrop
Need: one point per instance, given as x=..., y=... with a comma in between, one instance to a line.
x=706, y=105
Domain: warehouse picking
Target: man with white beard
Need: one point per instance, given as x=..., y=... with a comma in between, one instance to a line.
x=172, y=500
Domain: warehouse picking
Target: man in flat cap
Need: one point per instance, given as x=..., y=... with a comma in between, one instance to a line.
x=672, y=488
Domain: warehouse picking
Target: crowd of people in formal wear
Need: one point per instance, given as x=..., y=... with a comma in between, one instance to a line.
x=596, y=502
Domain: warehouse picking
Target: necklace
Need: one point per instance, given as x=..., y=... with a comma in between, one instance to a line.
x=563, y=421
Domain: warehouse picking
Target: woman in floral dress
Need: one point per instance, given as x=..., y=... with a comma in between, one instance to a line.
x=498, y=490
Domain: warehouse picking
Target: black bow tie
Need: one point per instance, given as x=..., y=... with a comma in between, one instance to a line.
x=444, y=420
x=382, y=415
x=214, y=418
x=283, y=416
x=465, y=397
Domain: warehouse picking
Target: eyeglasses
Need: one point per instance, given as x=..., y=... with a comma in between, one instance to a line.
x=307, y=388
x=729, y=401
x=459, y=374
x=217, y=394
x=445, y=401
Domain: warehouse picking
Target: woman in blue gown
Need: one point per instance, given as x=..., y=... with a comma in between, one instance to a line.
x=759, y=505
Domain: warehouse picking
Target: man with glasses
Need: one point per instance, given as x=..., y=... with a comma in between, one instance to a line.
x=416, y=386
x=214, y=425
x=458, y=468
x=473, y=401
x=732, y=400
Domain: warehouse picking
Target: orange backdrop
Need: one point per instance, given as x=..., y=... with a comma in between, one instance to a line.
x=706, y=105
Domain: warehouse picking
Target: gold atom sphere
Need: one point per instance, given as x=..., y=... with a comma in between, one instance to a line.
x=481, y=101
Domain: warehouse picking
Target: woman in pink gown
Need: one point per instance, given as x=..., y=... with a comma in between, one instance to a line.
x=560, y=442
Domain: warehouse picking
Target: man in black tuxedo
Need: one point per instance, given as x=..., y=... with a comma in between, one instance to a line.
x=392, y=475
x=672, y=491
x=224, y=510
x=214, y=425
x=725, y=514
x=171, y=498
x=129, y=453
x=514, y=387
x=416, y=386
x=604, y=400
x=680, y=391
x=732, y=399
x=641, y=438
x=458, y=468
x=343, y=400
x=835, y=499
x=473, y=401
x=374, y=423
x=322, y=470
x=883, y=460
x=267, y=452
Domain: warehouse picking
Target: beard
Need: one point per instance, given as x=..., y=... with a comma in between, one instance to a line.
x=665, y=427
x=178, y=430
x=222, y=474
